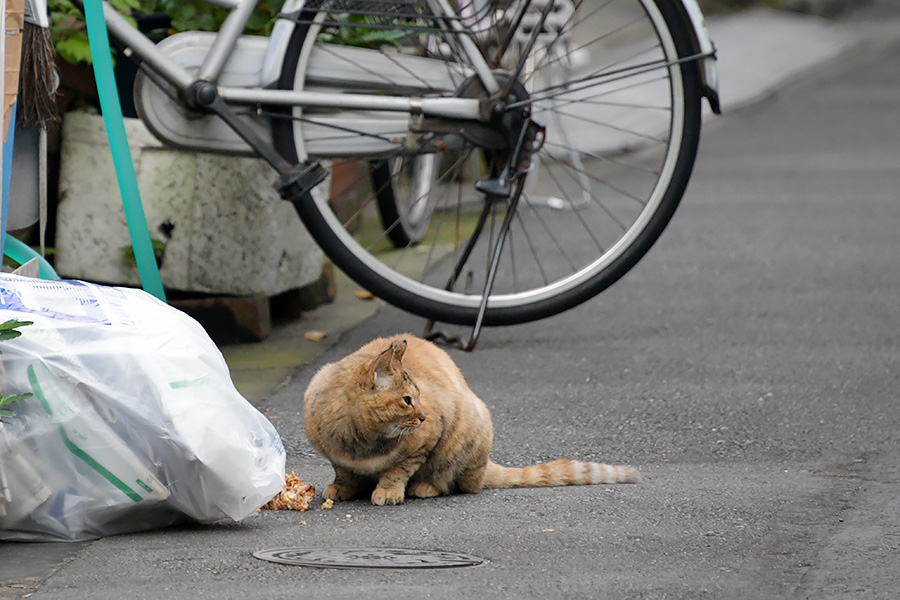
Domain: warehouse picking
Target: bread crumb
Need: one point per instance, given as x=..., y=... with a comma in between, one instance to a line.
x=315, y=336
x=328, y=504
x=364, y=294
x=296, y=495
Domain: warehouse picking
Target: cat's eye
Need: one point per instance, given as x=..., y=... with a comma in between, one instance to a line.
x=408, y=400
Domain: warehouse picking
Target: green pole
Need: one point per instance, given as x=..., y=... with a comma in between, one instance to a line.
x=118, y=145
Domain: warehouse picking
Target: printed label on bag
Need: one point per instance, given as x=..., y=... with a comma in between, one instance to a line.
x=72, y=300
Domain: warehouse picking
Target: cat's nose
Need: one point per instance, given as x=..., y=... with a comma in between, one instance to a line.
x=421, y=416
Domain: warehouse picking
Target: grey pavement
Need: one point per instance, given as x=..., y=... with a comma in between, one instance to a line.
x=748, y=366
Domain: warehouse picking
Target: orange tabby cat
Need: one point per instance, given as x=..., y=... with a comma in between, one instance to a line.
x=397, y=413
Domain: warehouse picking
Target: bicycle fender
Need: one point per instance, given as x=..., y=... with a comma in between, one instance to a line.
x=278, y=41
x=703, y=45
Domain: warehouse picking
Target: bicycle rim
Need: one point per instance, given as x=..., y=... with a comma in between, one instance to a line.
x=622, y=128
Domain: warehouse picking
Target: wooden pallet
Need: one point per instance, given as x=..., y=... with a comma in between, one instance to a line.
x=243, y=319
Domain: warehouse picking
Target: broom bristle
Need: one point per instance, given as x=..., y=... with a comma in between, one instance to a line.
x=38, y=79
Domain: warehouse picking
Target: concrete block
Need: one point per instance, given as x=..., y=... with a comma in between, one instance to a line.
x=221, y=227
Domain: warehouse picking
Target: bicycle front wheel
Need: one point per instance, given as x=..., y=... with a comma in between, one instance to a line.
x=402, y=187
x=621, y=111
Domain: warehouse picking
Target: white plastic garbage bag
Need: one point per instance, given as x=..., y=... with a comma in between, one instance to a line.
x=133, y=422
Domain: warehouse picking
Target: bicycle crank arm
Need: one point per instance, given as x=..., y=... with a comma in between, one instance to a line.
x=294, y=181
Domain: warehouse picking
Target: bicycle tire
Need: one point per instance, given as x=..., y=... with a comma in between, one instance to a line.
x=664, y=169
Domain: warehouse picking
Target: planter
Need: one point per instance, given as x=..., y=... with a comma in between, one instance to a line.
x=219, y=225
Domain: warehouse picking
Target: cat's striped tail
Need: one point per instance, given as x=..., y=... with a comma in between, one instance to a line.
x=557, y=472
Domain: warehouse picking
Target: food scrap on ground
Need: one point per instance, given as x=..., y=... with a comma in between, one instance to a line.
x=296, y=495
x=364, y=294
x=328, y=504
x=315, y=336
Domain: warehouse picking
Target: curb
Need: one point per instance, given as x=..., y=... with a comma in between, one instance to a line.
x=760, y=51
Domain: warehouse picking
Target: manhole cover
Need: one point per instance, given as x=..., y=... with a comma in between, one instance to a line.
x=371, y=558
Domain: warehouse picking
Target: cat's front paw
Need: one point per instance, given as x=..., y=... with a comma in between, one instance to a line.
x=336, y=492
x=382, y=496
x=424, y=489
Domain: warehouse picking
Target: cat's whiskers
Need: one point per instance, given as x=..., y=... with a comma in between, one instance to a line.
x=398, y=431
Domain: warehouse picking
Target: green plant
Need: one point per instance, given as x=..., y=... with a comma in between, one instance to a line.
x=9, y=331
x=193, y=15
x=6, y=413
x=361, y=31
x=126, y=253
x=69, y=32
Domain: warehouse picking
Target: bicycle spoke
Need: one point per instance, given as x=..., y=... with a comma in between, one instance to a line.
x=330, y=49
x=531, y=246
x=543, y=223
x=601, y=181
x=593, y=100
x=581, y=217
x=611, y=126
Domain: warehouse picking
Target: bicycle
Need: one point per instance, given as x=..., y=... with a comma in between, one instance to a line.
x=541, y=145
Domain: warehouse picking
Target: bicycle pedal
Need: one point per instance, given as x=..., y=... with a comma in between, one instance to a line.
x=300, y=180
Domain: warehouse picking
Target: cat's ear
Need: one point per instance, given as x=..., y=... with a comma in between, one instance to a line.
x=398, y=349
x=386, y=363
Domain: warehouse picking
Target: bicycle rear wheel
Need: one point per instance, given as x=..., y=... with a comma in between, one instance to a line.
x=622, y=118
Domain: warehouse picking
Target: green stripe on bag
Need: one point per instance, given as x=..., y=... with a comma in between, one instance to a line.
x=87, y=458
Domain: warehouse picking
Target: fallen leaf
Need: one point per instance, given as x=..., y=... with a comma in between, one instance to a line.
x=315, y=336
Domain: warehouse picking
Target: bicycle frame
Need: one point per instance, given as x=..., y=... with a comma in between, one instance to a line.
x=232, y=29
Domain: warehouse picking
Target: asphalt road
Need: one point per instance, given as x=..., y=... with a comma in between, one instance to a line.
x=748, y=366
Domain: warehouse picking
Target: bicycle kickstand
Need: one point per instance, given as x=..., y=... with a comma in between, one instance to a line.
x=469, y=346
x=508, y=185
